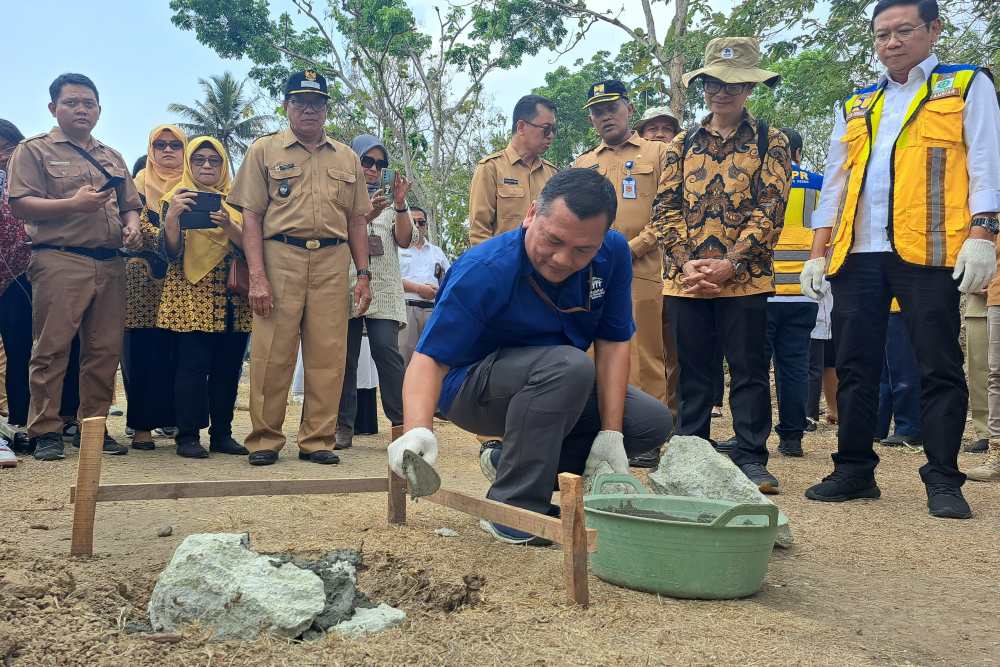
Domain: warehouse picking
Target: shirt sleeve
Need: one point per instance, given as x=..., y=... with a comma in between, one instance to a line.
x=128, y=195
x=249, y=189
x=668, y=207
x=834, y=176
x=981, y=119
x=650, y=236
x=362, y=202
x=482, y=204
x=760, y=234
x=616, y=323
x=25, y=172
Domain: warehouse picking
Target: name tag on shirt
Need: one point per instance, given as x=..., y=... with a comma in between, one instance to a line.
x=511, y=181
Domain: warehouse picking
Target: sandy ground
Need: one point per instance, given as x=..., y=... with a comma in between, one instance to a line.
x=875, y=582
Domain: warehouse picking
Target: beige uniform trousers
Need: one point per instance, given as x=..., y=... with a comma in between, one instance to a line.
x=646, y=347
x=69, y=293
x=977, y=369
x=416, y=320
x=309, y=289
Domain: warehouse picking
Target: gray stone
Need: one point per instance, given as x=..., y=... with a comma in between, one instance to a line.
x=165, y=531
x=216, y=580
x=604, y=468
x=691, y=467
x=366, y=621
x=446, y=532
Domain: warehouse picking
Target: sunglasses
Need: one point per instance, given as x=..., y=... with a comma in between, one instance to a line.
x=548, y=129
x=199, y=160
x=714, y=86
x=420, y=223
x=369, y=162
x=312, y=105
x=161, y=145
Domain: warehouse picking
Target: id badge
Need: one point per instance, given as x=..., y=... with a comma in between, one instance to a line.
x=375, y=248
x=628, y=188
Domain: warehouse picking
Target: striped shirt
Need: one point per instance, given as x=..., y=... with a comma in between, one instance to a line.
x=386, y=282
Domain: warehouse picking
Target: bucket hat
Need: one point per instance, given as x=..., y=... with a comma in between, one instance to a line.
x=733, y=60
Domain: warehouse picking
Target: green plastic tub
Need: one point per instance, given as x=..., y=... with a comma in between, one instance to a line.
x=680, y=547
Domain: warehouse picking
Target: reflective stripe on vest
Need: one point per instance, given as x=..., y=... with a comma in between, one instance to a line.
x=929, y=212
x=795, y=242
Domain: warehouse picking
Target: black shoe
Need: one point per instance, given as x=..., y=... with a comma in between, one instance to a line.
x=947, y=502
x=227, y=446
x=758, y=474
x=811, y=424
x=191, y=449
x=896, y=440
x=977, y=447
x=110, y=446
x=70, y=429
x=265, y=457
x=790, y=447
x=48, y=447
x=21, y=444
x=649, y=459
x=839, y=486
x=725, y=446
x=145, y=446
x=322, y=456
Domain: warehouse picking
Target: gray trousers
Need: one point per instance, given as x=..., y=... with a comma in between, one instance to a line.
x=543, y=402
x=416, y=320
x=382, y=339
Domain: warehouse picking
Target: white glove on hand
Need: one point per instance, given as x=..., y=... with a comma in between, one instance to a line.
x=420, y=441
x=811, y=278
x=977, y=262
x=608, y=446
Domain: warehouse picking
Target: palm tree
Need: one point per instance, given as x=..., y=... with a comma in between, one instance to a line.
x=226, y=114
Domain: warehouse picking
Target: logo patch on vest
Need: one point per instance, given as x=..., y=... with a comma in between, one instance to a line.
x=596, y=288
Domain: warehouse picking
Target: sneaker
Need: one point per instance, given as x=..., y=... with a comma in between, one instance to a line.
x=989, y=471
x=980, y=446
x=725, y=446
x=509, y=535
x=7, y=458
x=111, y=446
x=758, y=474
x=191, y=449
x=166, y=432
x=227, y=446
x=70, y=429
x=790, y=447
x=811, y=424
x=947, y=502
x=896, y=440
x=649, y=459
x=838, y=487
x=489, y=458
x=48, y=447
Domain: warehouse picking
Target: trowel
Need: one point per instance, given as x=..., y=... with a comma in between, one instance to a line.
x=421, y=477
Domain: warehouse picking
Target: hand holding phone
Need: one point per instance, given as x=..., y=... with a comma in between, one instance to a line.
x=112, y=183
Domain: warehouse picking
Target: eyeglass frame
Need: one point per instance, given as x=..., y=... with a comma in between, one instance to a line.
x=722, y=85
x=302, y=105
x=199, y=160
x=161, y=145
x=898, y=34
x=548, y=129
x=551, y=304
x=381, y=164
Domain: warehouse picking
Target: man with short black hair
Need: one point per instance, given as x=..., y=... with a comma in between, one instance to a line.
x=422, y=267
x=504, y=352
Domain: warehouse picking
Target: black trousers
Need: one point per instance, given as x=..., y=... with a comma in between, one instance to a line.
x=816, y=350
x=148, y=370
x=739, y=324
x=383, y=340
x=206, y=381
x=862, y=290
x=15, y=329
x=789, y=324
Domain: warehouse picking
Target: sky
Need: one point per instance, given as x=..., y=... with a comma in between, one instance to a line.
x=141, y=63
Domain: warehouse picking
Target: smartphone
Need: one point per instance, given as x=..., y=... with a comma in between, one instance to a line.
x=112, y=183
x=203, y=204
x=388, y=183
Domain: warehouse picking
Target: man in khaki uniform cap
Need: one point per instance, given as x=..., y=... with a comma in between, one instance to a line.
x=506, y=182
x=304, y=201
x=80, y=206
x=633, y=165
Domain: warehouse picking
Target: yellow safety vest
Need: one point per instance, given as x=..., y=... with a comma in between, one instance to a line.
x=929, y=206
x=795, y=242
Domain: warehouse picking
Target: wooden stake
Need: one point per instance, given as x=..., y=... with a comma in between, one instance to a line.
x=88, y=478
x=397, y=499
x=574, y=538
x=397, y=433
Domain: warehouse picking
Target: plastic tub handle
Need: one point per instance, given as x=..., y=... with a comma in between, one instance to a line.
x=724, y=519
x=616, y=478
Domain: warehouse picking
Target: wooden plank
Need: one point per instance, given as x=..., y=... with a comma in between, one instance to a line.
x=397, y=433
x=532, y=522
x=397, y=499
x=240, y=487
x=574, y=538
x=88, y=479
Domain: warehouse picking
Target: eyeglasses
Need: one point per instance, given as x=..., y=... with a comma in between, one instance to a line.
x=161, y=145
x=419, y=223
x=904, y=34
x=566, y=311
x=314, y=105
x=714, y=87
x=548, y=129
x=199, y=160
x=368, y=162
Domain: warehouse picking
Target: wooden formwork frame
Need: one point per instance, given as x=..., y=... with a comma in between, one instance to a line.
x=568, y=530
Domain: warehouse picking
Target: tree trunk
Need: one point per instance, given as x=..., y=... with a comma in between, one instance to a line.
x=678, y=91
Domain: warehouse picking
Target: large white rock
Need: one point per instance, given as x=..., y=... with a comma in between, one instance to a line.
x=691, y=467
x=375, y=619
x=215, y=579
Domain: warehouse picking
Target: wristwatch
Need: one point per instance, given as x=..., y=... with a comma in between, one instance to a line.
x=988, y=222
x=400, y=210
x=364, y=273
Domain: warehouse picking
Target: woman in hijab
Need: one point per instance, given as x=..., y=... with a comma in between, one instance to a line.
x=211, y=325
x=147, y=359
x=387, y=231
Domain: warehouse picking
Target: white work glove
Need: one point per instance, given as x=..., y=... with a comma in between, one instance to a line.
x=977, y=262
x=420, y=441
x=811, y=279
x=608, y=446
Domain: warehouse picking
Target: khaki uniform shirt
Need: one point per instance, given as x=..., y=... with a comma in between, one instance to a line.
x=634, y=215
x=46, y=166
x=307, y=195
x=502, y=189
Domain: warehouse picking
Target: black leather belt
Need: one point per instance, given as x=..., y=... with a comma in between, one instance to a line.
x=419, y=304
x=100, y=254
x=308, y=244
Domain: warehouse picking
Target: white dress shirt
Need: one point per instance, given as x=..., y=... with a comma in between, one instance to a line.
x=981, y=121
x=417, y=265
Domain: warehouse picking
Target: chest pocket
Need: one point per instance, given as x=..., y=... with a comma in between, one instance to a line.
x=340, y=186
x=855, y=137
x=940, y=121
x=645, y=180
x=64, y=179
x=512, y=202
x=284, y=184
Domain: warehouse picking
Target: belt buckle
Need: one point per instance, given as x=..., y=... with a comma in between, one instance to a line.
x=312, y=244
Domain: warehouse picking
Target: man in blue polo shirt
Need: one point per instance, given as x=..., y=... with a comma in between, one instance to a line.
x=504, y=352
